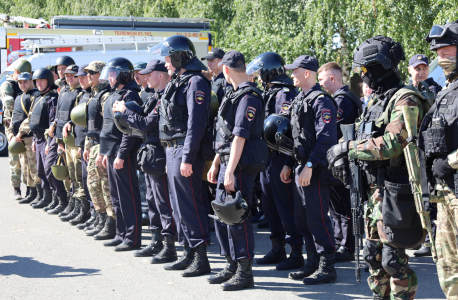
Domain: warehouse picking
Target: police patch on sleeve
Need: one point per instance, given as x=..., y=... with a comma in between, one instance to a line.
x=285, y=106
x=326, y=115
x=200, y=97
x=250, y=113
x=339, y=114
x=158, y=105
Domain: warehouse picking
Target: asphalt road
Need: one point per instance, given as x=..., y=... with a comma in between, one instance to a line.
x=44, y=258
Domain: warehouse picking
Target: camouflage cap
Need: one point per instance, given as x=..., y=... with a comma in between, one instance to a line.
x=95, y=66
x=50, y=67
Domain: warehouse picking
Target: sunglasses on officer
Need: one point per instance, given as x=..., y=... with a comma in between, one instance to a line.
x=90, y=72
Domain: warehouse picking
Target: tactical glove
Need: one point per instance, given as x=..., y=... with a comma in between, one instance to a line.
x=341, y=170
x=336, y=152
x=441, y=169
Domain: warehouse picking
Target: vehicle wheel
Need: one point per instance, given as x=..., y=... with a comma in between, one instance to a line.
x=3, y=142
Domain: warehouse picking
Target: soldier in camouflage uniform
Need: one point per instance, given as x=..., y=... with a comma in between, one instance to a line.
x=97, y=177
x=440, y=128
x=21, y=130
x=8, y=92
x=380, y=138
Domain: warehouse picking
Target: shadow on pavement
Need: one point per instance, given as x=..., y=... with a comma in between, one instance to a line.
x=29, y=268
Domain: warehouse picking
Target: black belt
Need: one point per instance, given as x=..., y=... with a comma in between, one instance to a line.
x=224, y=158
x=173, y=143
x=39, y=135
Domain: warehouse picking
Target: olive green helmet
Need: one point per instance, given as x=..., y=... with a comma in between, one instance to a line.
x=79, y=115
x=15, y=147
x=22, y=65
x=60, y=171
x=70, y=139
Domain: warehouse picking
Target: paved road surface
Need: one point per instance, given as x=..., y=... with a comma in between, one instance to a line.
x=44, y=258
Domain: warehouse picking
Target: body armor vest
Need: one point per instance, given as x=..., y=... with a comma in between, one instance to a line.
x=226, y=120
x=268, y=96
x=146, y=94
x=64, y=107
x=80, y=132
x=94, y=114
x=38, y=114
x=303, y=124
x=21, y=110
x=151, y=136
x=173, y=121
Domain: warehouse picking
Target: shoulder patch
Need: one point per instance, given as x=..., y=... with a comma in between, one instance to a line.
x=326, y=115
x=200, y=97
x=339, y=114
x=286, y=90
x=250, y=113
x=285, y=106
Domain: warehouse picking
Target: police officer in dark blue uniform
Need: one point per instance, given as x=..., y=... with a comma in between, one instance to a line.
x=349, y=107
x=313, y=123
x=41, y=116
x=117, y=154
x=183, y=119
x=162, y=224
x=277, y=196
x=240, y=121
x=141, y=80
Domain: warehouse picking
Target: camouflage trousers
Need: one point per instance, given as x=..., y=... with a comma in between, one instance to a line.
x=28, y=161
x=97, y=184
x=76, y=172
x=15, y=170
x=67, y=185
x=402, y=287
x=446, y=245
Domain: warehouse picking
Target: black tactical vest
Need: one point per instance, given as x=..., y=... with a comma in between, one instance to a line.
x=217, y=85
x=80, y=132
x=145, y=94
x=94, y=114
x=39, y=115
x=303, y=124
x=226, y=119
x=173, y=121
x=151, y=136
x=21, y=103
x=65, y=105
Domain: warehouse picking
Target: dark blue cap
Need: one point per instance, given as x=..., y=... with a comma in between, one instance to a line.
x=233, y=59
x=154, y=65
x=305, y=62
x=24, y=76
x=214, y=53
x=71, y=69
x=81, y=72
x=418, y=59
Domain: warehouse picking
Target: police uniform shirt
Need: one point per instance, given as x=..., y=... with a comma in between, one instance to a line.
x=195, y=94
x=347, y=112
x=247, y=112
x=283, y=99
x=324, y=117
x=148, y=123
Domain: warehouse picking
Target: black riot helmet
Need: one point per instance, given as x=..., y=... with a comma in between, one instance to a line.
x=377, y=59
x=277, y=133
x=123, y=126
x=180, y=49
x=271, y=68
x=44, y=73
x=123, y=68
x=233, y=210
x=443, y=36
x=64, y=60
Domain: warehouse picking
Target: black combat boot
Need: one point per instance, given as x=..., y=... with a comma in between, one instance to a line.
x=343, y=255
x=200, y=264
x=69, y=208
x=89, y=221
x=97, y=226
x=184, y=261
x=423, y=251
x=276, y=255
x=109, y=230
x=112, y=243
x=17, y=194
x=84, y=214
x=312, y=263
x=31, y=196
x=62, y=204
x=168, y=253
x=53, y=204
x=243, y=277
x=154, y=247
x=47, y=197
x=294, y=261
x=225, y=274
x=73, y=213
x=39, y=195
x=326, y=272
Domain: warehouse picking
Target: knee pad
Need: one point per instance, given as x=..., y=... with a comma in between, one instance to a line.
x=392, y=261
x=372, y=255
